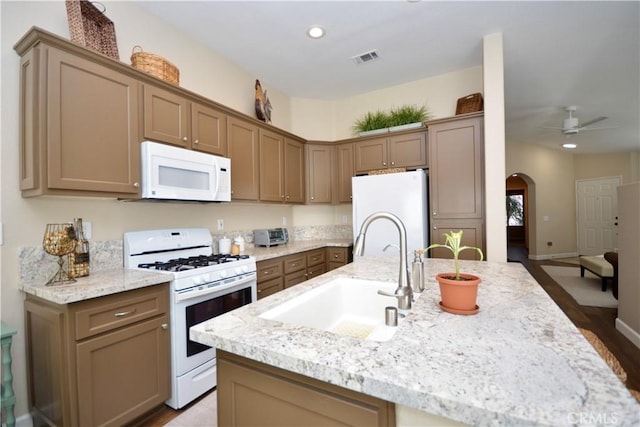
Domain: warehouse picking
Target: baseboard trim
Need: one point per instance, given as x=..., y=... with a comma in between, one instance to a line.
x=21, y=421
x=552, y=256
x=628, y=332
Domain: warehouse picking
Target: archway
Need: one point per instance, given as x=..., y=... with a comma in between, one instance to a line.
x=520, y=206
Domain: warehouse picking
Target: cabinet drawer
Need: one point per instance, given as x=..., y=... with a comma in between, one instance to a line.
x=315, y=257
x=316, y=271
x=269, y=269
x=269, y=287
x=338, y=255
x=293, y=263
x=294, y=278
x=99, y=315
x=334, y=265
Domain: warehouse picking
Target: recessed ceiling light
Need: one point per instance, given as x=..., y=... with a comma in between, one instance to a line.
x=569, y=145
x=315, y=32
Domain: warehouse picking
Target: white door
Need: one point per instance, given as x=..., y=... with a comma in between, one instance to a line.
x=597, y=215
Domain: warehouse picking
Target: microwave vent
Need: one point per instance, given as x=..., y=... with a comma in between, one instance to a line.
x=366, y=57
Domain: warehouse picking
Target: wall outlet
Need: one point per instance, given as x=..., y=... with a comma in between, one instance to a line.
x=284, y=220
x=345, y=219
x=220, y=224
x=549, y=243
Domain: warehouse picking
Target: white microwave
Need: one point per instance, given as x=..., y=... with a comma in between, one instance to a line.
x=172, y=173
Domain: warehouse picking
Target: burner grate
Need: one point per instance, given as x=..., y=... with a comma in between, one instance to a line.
x=183, y=264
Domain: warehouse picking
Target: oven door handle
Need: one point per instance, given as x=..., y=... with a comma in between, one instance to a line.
x=195, y=293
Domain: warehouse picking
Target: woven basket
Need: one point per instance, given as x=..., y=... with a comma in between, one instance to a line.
x=383, y=171
x=469, y=104
x=89, y=27
x=155, y=65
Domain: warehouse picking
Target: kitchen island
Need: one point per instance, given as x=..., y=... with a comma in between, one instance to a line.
x=518, y=361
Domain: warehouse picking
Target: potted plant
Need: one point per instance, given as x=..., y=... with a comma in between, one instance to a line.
x=398, y=118
x=408, y=117
x=459, y=291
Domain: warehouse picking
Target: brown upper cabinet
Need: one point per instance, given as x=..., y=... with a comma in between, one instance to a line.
x=78, y=122
x=329, y=172
x=456, y=171
x=242, y=140
x=281, y=168
x=319, y=173
x=171, y=118
x=408, y=150
x=344, y=173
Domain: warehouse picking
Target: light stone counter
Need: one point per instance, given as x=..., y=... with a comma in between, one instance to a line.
x=519, y=361
x=263, y=253
x=95, y=285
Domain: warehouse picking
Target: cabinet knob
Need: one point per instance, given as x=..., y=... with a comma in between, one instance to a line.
x=288, y=197
x=435, y=213
x=195, y=142
x=384, y=163
x=184, y=138
x=335, y=255
x=393, y=163
x=313, y=198
x=282, y=197
x=435, y=228
x=164, y=326
x=136, y=185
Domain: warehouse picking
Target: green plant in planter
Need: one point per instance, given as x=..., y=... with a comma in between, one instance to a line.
x=453, y=243
x=407, y=114
x=372, y=121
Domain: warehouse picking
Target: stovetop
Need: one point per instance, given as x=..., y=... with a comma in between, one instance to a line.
x=193, y=262
x=184, y=253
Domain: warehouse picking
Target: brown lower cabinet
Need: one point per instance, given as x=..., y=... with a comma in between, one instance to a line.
x=99, y=362
x=279, y=273
x=252, y=393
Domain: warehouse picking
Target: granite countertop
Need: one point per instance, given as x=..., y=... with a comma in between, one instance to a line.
x=263, y=253
x=519, y=361
x=95, y=285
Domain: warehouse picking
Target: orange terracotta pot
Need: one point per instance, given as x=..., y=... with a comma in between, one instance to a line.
x=459, y=296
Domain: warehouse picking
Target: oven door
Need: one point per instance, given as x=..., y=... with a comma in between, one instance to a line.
x=194, y=307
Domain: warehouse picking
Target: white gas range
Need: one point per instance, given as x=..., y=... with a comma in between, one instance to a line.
x=203, y=285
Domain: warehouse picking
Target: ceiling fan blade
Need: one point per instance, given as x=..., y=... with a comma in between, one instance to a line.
x=590, y=122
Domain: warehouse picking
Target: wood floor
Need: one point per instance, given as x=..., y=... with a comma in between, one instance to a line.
x=600, y=321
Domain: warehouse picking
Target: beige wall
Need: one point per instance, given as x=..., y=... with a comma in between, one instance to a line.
x=202, y=72
x=589, y=166
x=553, y=174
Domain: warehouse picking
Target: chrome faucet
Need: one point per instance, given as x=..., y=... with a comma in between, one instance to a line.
x=403, y=292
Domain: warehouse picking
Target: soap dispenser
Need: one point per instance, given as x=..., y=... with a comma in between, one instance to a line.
x=417, y=274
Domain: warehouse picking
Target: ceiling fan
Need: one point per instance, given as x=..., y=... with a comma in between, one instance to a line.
x=571, y=125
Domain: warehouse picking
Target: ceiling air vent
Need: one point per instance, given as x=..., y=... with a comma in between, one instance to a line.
x=363, y=58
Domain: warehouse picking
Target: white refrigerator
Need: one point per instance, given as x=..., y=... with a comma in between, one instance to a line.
x=403, y=194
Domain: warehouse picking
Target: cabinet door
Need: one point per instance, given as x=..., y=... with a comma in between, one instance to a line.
x=271, y=166
x=456, y=169
x=472, y=235
x=135, y=356
x=319, y=173
x=370, y=155
x=344, y=169
x=208, y=130
x=293, y=171
x=251, y=393
x=91, y=127
x=166, y=117
x=409, y=151
x=242, y=147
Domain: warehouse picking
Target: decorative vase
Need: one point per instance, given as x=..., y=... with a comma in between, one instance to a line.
x=458, y=296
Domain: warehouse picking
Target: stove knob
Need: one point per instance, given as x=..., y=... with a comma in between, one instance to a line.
x=223, y=273
x=197, y=280
x=206, y=278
